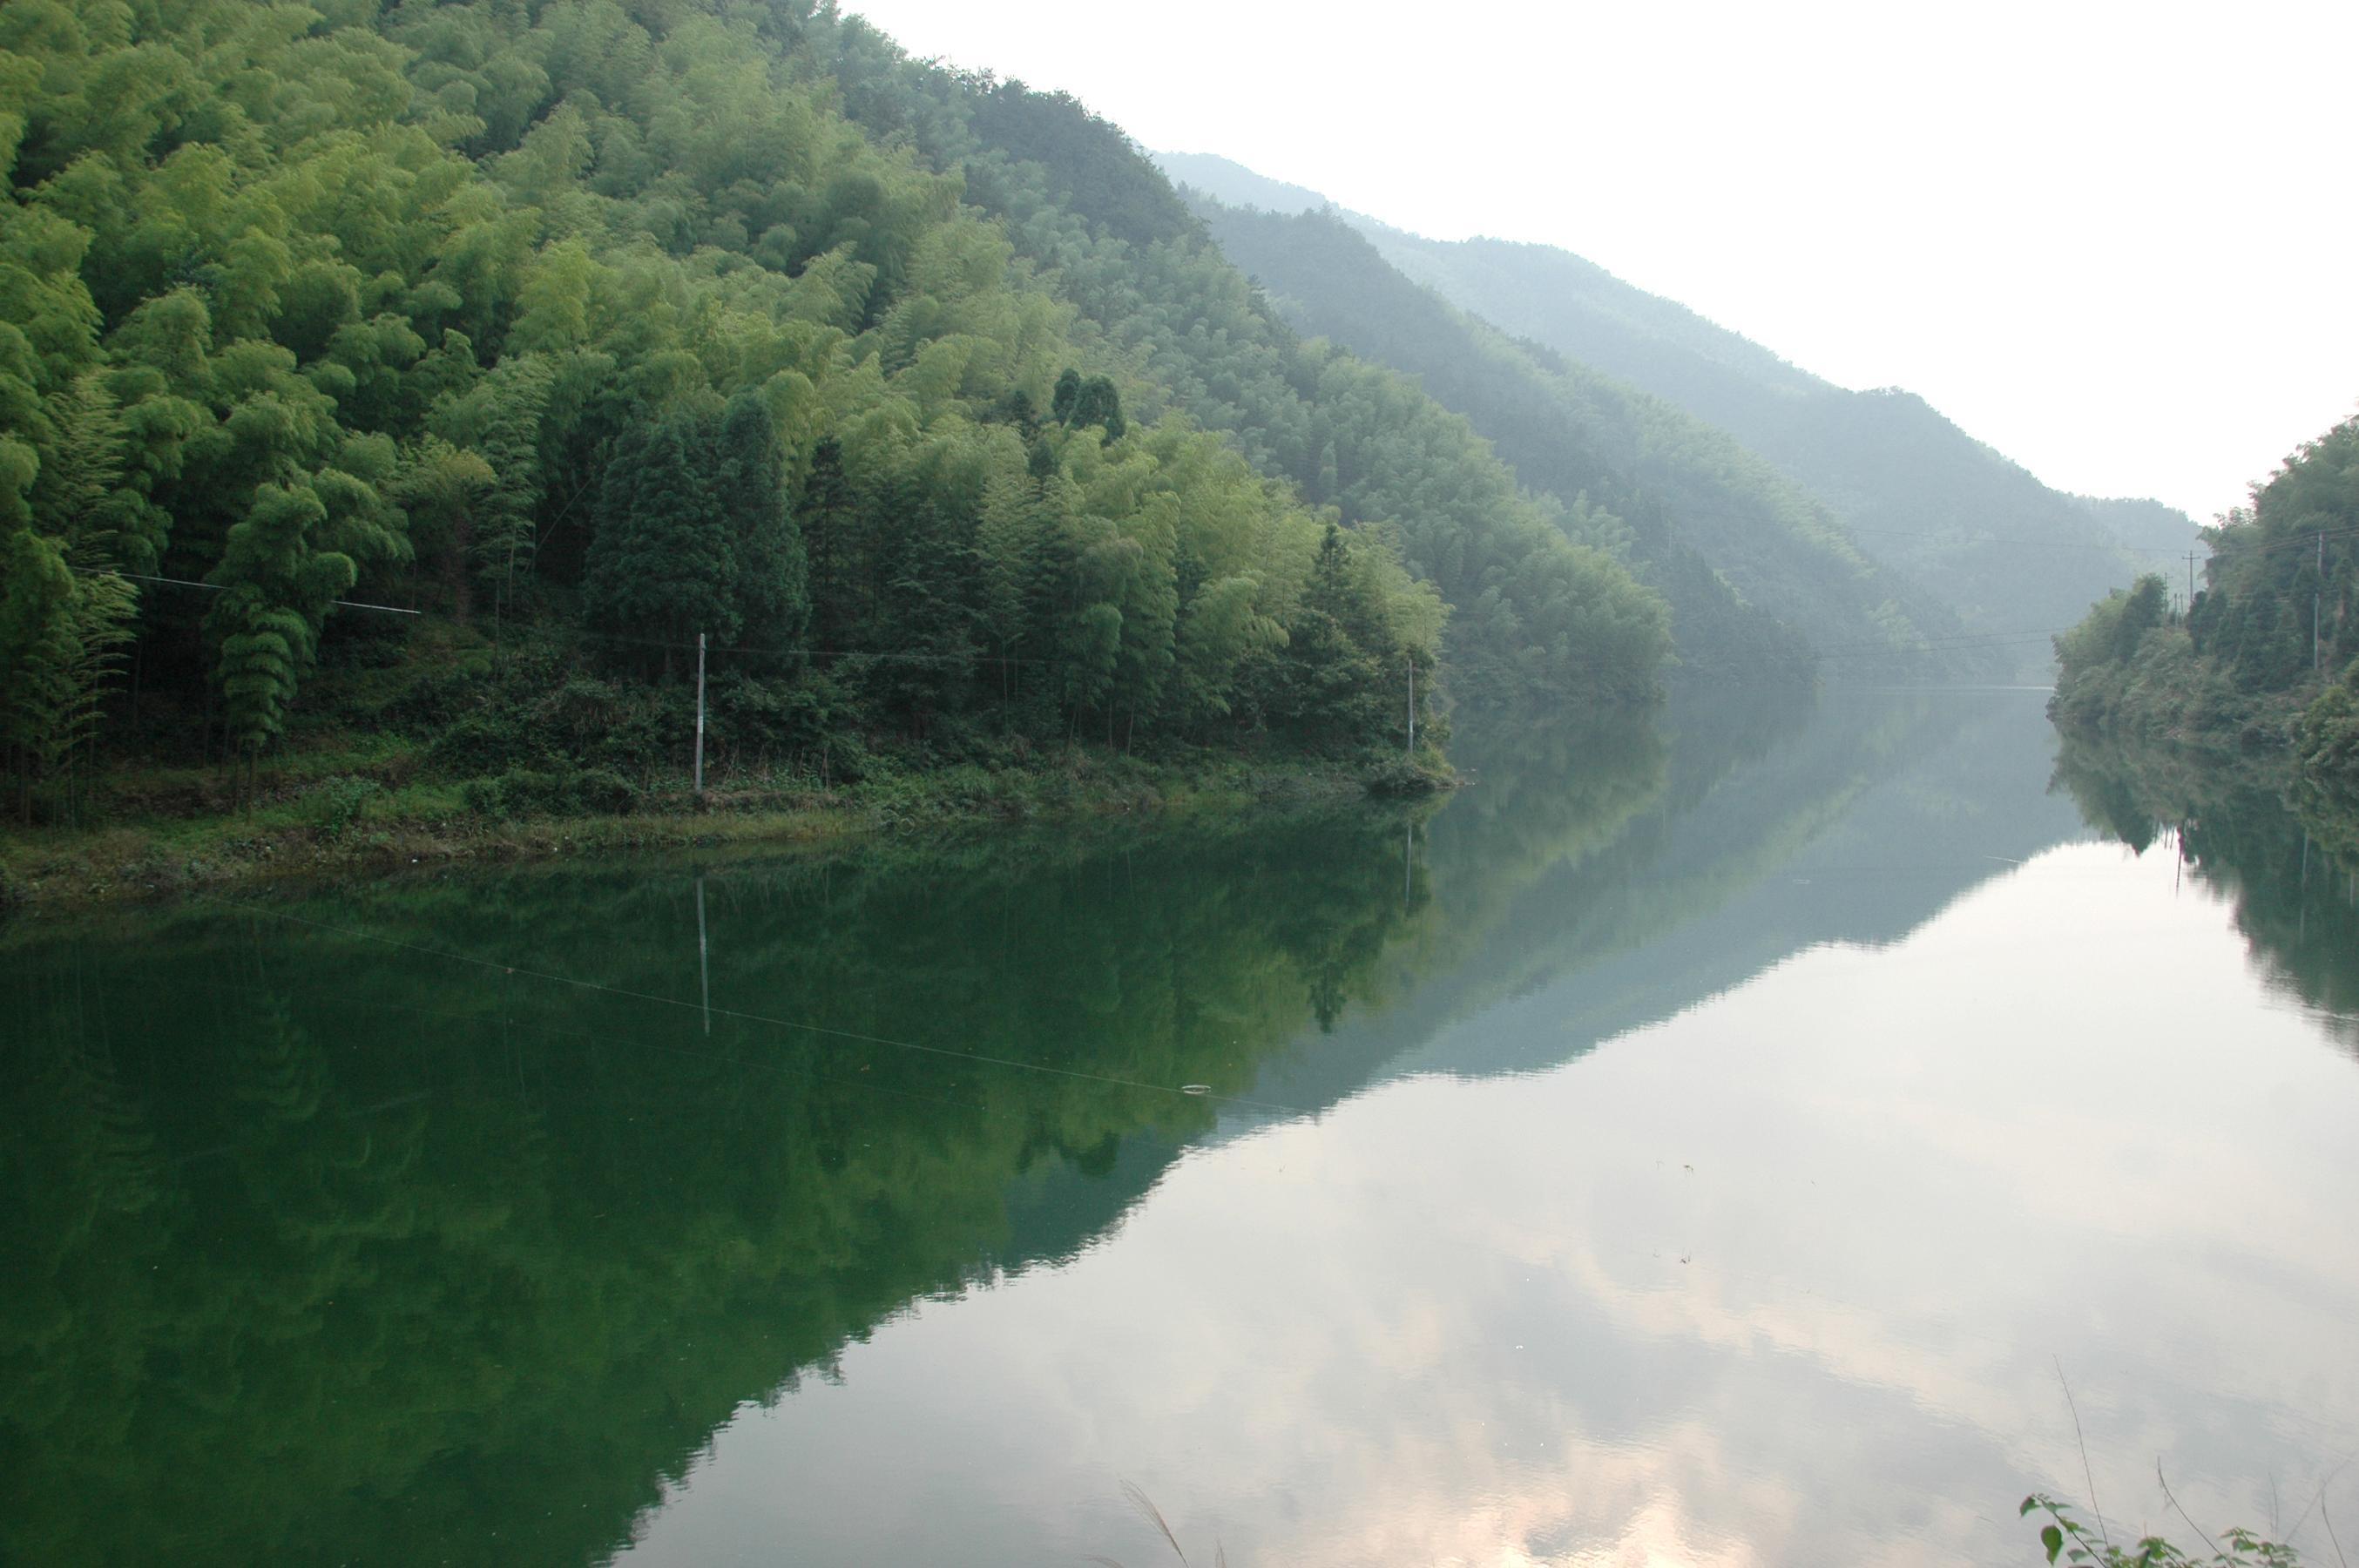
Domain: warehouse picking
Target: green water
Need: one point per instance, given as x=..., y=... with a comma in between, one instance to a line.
x=1699, y=1140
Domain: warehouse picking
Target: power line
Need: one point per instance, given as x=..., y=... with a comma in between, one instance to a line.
x=810, y=652
x=2301, y=541
x=1862, y=650
x=219, y=588
x=2229, y=533
x=585, y=636
x=1933, y=536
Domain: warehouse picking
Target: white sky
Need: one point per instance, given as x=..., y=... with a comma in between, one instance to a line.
x=2117, y=242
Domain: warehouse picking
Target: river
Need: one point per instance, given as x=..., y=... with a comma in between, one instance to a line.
x=1778, y=1132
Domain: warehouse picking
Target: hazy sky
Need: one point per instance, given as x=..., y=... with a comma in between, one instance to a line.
x=2119, y=243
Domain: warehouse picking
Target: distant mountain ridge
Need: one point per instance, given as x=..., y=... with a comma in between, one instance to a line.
x=1727, y=540
x=2015, y=558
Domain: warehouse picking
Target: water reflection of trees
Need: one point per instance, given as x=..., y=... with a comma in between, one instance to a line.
x=2284, y=857
x=461, y=1237
x=317, y=1240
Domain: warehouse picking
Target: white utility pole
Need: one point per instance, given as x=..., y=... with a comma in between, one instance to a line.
x=700, y=715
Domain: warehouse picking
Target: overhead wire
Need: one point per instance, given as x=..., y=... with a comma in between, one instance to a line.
x=218, y=588
x=1856, y=651
x=1934, y=537
x=585, y=636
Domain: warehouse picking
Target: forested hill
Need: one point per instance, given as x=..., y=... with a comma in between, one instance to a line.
x=2010, y=555
x=2152, y=532
x=1527, y=579
x=2266, y=657
x=1746, y=558
x=590, y=329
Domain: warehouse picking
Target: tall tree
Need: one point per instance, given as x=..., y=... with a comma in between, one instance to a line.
x=773, y=588
x=278, y=586
x=662, y=566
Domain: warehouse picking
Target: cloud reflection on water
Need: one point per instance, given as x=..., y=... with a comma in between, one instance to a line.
x=1501, y=1320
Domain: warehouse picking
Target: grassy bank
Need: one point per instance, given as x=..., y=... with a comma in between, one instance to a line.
x=430, y=745
x=358, y=807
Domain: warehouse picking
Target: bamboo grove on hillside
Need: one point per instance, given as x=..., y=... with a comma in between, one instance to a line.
x=585, y=328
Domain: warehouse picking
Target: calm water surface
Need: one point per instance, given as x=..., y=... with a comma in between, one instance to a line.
x=1698, y=1142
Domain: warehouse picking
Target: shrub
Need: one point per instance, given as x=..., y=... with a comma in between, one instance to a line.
x=335, y=804
x=1401, y=777
x=476, y=747
x=2326, y=737
x=550, y=792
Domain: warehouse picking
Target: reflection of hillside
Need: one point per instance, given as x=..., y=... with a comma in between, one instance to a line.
x=1859, y=831
x=1855, y=825
x=320, y=1241
x=2291, y=876
x=402, y=1239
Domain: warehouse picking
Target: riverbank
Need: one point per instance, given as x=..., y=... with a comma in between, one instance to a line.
x=340, y=812
x=2166, y=693
x=2194, y=729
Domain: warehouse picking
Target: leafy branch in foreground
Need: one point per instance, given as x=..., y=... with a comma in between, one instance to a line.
x=2066, y=1536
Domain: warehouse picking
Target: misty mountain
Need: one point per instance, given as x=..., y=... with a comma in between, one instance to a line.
x=1722, y=533
x=2015, y=558
x=2155, y=532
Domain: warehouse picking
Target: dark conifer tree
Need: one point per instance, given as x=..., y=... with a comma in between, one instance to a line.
x=827, y=518
x=662, y=568
x=1098, y=403
x=772, y=587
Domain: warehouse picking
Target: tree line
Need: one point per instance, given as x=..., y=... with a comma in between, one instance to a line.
x=2263, y=652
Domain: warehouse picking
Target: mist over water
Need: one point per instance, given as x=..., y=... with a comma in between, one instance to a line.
x=1702, y=1139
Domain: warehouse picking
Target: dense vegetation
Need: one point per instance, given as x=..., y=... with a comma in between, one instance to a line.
x=1531, y=585
x=2266, y=655
x=2013, y=557
x=590, y=329
x=1756, y=571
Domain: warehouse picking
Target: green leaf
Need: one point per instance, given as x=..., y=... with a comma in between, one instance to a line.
x=2052, y=1539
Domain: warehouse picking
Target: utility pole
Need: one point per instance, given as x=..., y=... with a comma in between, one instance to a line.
x=2191, y=581
x=699, y=716
x=2316, y=597
x=1412, y=707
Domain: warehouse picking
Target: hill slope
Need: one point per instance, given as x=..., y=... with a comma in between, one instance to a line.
x=2012, y=556
x=1727, y=537
x=1532, y=584
x=622, y=331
